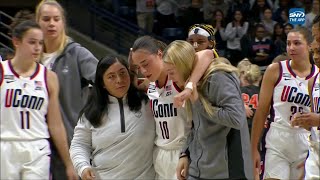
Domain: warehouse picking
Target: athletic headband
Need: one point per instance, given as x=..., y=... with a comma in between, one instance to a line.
x=200, y=31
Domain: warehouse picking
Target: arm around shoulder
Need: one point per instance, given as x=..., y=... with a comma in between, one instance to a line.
x=202, y=61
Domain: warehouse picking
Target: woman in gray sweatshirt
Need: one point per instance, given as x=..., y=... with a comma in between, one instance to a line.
x=218, y=147
x=75, y=67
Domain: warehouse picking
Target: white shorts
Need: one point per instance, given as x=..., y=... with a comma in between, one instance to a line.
x=286, y=149
x=312, y=165
x=25, y=159
x=165, y=163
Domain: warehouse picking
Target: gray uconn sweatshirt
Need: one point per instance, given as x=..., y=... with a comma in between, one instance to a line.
x=75, y=67
x=220, y=146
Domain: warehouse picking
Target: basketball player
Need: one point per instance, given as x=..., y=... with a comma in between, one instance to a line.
x=201, y=37
x=312, y=120
x=285, y=85
x=29, y=110
x=172, y=127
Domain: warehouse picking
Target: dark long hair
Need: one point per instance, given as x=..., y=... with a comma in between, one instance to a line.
x=148, y=43
x=98, y=102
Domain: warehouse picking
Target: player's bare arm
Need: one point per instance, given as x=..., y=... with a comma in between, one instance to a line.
x=269, y=80
x=205, y=56
x=55, y=124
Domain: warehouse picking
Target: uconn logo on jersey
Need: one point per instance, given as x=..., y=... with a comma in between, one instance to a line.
x=163, y=110
x=289, y=94
x=14, y=98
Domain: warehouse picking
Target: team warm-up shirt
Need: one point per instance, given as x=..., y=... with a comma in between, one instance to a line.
x=315, y=131
x=290, y=94
x=24, y=104
x=172, y=128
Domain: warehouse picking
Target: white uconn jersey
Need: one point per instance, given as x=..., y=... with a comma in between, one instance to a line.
x=290, y=94
x=315, y=132
x=24, y=104
x=172, y=128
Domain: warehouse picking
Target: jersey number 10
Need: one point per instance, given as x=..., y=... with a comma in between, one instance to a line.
x=25, y=119
x=164, y=129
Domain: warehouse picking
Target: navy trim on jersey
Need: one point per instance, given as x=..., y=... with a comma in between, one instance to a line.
x=46, y=80
x=280, y=75
x=176, y=87
x=294, y=74
x=314, y=81
x=1, y=73
x=12, y=70
x=290, y=69
x=165, y=83
x=36, y=72
x=312, y=72
x=311, y=95
x=17, y=75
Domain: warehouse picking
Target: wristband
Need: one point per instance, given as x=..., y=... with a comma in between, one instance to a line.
x=189, y=86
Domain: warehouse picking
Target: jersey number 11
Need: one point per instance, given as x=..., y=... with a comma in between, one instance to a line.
x=25, y=119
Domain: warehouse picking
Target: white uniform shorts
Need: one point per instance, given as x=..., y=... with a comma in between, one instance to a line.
x=312, y=165
x=286, y=149
x=25, y=159
x=165, y=163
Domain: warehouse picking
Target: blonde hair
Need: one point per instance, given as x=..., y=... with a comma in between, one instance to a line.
x=63, y=38
x=243, y=64
x=218, y=64
x=253, y=74
x=223, y=60
x=182, y=55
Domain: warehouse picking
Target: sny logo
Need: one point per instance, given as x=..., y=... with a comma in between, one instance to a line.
x=296, y=16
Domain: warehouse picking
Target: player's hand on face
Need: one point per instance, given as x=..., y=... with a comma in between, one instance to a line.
x=88, y=174
x=71, y=173
x=182, y=168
